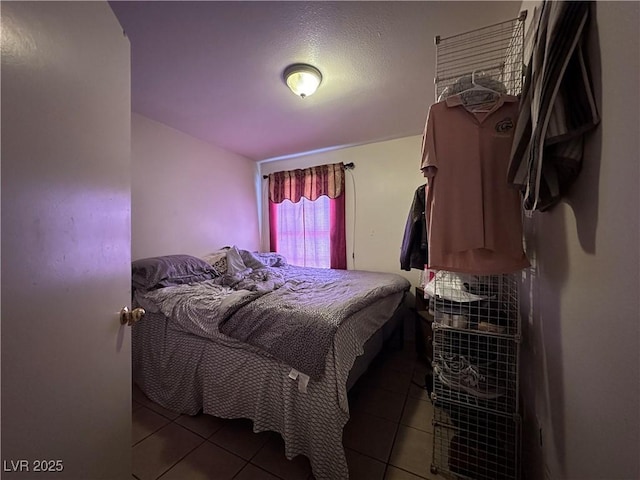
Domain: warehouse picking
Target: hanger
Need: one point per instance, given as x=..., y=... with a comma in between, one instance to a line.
x=477, y=90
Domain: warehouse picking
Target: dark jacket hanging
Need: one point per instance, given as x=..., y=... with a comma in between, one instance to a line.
x=413, y=253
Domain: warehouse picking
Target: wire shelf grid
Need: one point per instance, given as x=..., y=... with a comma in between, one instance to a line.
x=487, y=304
x=476, y=370
x=495, y=50
x=472, y=445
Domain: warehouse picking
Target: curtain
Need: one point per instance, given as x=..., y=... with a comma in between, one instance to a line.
x=304, y=226
x=309, y=183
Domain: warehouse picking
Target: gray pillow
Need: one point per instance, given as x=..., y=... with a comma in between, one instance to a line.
x=165, y=271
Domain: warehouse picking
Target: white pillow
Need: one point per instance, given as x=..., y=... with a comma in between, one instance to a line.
x=217, y=260
x=235, y=264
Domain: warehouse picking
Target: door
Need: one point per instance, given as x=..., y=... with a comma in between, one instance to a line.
x=66, y=248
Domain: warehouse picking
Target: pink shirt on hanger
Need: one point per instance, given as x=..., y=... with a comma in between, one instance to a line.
x=473, y=215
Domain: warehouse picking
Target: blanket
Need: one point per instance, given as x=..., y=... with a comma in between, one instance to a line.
x=296, y=322
x=288, y=312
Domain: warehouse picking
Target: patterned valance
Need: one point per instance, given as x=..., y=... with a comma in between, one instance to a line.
x=310, y=183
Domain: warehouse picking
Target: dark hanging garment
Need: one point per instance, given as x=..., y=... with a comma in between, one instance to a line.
x=557, y=107
x=413, y=253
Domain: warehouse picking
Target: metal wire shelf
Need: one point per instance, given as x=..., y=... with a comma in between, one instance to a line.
x=476, y=327
x=472, y=445
x=493, y=311
x=475, y=370
x=495, y=51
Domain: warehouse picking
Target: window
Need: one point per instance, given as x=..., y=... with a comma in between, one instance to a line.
x=303, y=232
x=307, y=217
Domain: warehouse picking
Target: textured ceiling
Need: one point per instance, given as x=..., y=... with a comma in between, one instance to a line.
x=214, y=69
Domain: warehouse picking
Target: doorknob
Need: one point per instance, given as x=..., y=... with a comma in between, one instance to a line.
x=129, y=317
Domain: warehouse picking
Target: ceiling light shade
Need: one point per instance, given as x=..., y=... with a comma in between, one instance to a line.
x=302, y=79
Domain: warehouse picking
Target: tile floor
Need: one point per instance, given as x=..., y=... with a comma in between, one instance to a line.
x=389, y=434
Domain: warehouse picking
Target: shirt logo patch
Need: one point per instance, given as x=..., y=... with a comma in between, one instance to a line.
x=504, y=126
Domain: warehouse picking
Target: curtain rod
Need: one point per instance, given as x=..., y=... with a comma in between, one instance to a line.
x=347, y=166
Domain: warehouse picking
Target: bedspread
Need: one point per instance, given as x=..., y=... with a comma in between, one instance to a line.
x=292, y=313
x=230, y=379
x=297, y=322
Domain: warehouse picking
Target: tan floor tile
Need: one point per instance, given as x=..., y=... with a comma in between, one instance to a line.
x=206, y=462
x=202, y=424
x=418, y=414
x=378, y=402
x=251, y=472
x=237, y=436
x=369, y=435
x=156, y=454
x=412, y=451
x=394, y=473
x=144, y=422
x=272, y=459
x=362, y=467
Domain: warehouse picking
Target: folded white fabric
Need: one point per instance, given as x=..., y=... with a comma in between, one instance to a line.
x=235, y=264
x=450, y=286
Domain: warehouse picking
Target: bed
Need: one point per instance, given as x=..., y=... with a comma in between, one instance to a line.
x=237, y=344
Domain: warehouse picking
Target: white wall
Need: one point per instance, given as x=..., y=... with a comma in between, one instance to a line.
x=581, y=369
x=188, y=196
x=386, y=176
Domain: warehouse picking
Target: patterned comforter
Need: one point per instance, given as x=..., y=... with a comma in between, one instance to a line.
x=292, y=313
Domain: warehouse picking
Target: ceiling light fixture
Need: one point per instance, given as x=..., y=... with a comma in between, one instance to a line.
x=302, y=79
